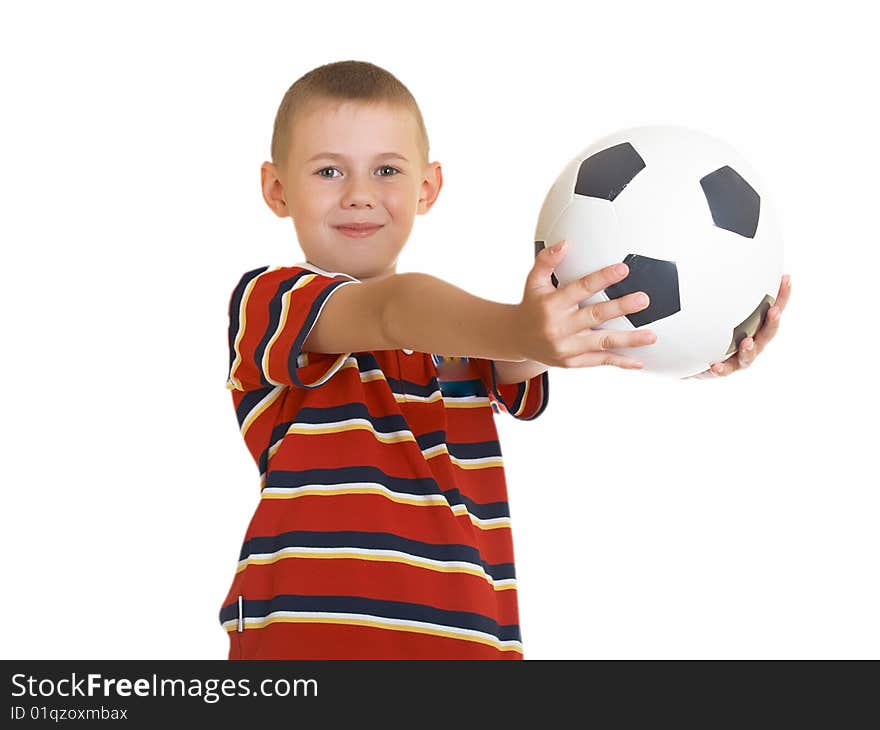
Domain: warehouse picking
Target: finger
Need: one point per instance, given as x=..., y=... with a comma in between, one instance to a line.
x=603, y=339
x=597, y=347
x=592, y=359
x=724, y=368
x=768, y=329
x=595, y=314
x=771, y=321
x=586, y=286
x=545, y=262
x=746, y=353
x=784, y=292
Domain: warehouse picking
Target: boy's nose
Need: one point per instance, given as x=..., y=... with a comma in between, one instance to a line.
x=358, y=191
x=358, y=199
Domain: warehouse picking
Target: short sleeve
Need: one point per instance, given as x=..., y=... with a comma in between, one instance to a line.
x=271, y=312
x=525, y=400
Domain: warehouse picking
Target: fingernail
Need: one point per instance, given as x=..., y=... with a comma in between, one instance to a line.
x=559, y=246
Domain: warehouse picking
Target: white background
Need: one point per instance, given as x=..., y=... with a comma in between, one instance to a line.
x=733, y=518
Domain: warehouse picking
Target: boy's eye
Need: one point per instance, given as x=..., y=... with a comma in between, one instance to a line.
x=383, y=167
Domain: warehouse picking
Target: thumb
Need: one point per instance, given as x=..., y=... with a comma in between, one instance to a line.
x=546, y=261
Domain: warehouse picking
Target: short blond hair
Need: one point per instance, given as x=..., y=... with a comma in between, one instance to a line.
x=337, y=83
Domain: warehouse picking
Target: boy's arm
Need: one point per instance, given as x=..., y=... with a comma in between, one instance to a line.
x=428, y=314
x=517, y=372
x=419, y=312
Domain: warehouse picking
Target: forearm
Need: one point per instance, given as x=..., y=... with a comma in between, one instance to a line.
x=517, y=372
x=427, y=314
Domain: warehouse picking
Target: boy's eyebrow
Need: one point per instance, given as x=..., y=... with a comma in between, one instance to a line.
x=335, y=156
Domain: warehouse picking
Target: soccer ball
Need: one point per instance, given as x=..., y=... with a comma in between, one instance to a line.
x=693, y=222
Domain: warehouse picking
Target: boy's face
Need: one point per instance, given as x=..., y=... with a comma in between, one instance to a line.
x=365, y=183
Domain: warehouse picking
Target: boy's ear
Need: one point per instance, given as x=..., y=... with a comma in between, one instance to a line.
x=431, y=185
x=273, y=190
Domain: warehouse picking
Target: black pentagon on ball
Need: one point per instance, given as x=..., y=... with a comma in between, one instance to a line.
x=605, y=174
x=734, y=204
x=539, y=246
x=658, y=279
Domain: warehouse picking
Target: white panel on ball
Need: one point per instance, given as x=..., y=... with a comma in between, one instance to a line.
x=558, y=197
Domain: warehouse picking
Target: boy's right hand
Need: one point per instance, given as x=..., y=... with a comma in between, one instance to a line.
x=554, y=331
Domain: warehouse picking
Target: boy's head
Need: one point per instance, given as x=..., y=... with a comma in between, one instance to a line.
x=363, y=114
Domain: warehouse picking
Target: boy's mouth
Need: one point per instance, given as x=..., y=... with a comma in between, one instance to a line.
x=358, y=231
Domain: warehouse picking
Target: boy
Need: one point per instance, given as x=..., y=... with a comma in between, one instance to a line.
x=383, y=529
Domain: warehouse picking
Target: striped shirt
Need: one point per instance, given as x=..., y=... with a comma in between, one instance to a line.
x=382, y=530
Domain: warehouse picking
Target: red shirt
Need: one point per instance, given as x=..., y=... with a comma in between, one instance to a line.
x=382, y=529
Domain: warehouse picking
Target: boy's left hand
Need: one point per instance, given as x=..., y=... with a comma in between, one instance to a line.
x=751, y=347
